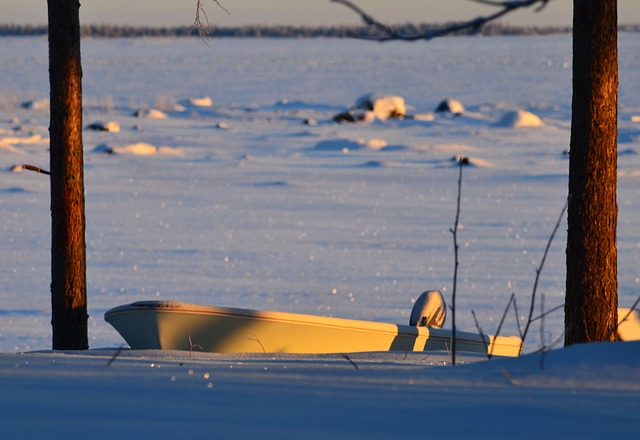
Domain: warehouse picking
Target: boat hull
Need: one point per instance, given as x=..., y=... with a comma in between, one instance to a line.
x=177, y=326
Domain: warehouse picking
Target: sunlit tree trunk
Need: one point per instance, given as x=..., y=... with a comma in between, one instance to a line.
x=592, y=287
x=68, y=258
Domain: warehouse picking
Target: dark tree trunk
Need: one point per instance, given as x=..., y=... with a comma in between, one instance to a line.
x=592, y=286
x=68, y=258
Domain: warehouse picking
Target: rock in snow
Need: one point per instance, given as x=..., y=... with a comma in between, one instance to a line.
x=383, y=106
x=38, y=104
x=151, y=114
x=204, y=101
x=110, y=126
x=450, y=106
x=372, y=106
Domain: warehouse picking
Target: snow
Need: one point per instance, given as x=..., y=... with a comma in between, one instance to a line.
x=106, y=394
x=259, y=200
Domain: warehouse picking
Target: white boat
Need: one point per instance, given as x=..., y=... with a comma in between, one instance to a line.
x=168, y=325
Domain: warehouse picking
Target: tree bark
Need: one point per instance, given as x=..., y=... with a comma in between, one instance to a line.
x=68, y=254
x=592, y=286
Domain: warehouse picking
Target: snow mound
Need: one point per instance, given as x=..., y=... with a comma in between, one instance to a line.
x=519, y=119
x=373, y=143
x=150, y=114
x=372, y=106
x=139, y=149
x=342, y=145
x=376, y=164
x=422, y=117
x=204, y=101
x=9, y=143
x=111, y=126
x=450, y=107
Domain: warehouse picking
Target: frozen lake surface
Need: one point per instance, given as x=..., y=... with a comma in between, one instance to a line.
x=262, y=201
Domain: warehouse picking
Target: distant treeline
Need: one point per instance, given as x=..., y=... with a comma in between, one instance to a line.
x=111, y=31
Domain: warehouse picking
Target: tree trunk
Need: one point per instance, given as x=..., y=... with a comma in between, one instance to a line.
x=592, y=286
x=68, y=255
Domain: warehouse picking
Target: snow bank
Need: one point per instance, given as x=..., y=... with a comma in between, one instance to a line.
x=588, y=391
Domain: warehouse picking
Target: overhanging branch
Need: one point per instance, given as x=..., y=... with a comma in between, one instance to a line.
x=388, y=33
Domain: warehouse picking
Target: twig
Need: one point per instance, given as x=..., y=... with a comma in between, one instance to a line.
x=255, y=339
x=542, y=321
x=539, y=271
x=515, y=310
x=454, y=231
x=511, y=380
x=203, y=28
x=473, y=25
x=35, y=168
x=192, y=346
x=512, y=299
x=115, y=355
x=547, y=312
x=346, y=356
x=481, y=333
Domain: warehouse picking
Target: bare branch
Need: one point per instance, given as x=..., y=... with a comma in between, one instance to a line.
x=512, y=299
x=539, y=271
x=203, y=27
x=547, y=312
x=454, y=231
x=475, y=24
x=485, y=340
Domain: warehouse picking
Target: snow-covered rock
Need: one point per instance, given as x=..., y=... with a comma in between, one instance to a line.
x=471, y=161
x=355, y=115
x=150, y=114
x=372, y=106
x=111, y=126
x=519, y=119
x=204, y=101
x=38, y=104
x=383, y=106
x=450, y=107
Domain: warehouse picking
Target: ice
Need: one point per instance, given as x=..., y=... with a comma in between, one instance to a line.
x=245, y=203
